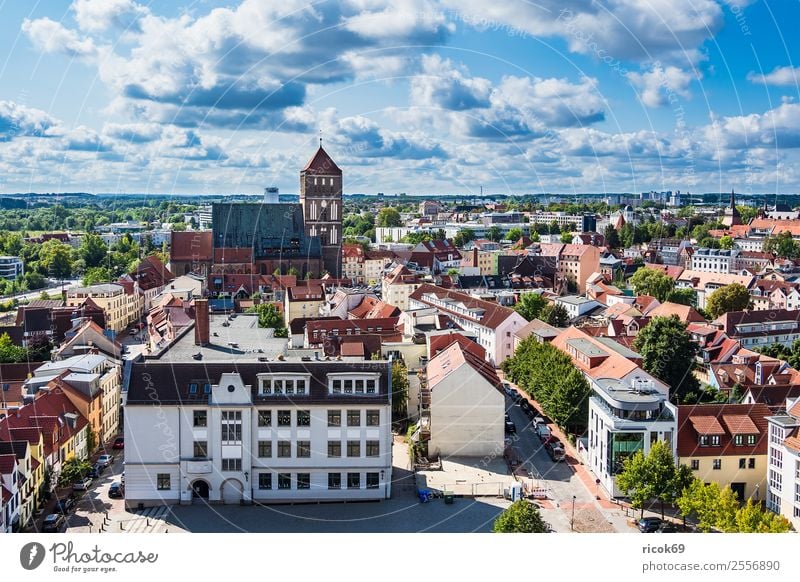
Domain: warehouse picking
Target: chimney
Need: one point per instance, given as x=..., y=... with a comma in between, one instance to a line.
x=201, y=322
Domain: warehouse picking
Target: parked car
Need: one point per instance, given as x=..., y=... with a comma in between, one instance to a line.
x=97, y=470
x=667, y=527
x=526, y=407
x=649, y=524
x=53, y=523
x=555, y=448
x=64, y=504
x=82, y=484
x=537, y=420
x=117, y=490
x=543, y=431
x=119, y=443
x=104, y=460
x=511, y=428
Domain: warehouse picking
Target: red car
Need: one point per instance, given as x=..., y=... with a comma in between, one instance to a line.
x=119, y=443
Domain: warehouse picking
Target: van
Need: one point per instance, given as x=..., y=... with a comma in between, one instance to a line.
x=555, y=449
x=537, y=420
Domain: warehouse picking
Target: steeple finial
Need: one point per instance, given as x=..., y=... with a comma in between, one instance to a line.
x=320, y=137
x=733, y=199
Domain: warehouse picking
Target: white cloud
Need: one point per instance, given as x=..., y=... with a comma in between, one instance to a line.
x=18, y=120
x=441, y=84
x=101, y=15
x=661, y=85
x=780, y=76
x=52, y=37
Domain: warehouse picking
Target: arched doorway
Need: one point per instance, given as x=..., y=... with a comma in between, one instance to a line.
x=200, y=490
x=232, y=491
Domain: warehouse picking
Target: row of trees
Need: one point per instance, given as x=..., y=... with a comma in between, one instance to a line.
x=655, y=476
x=548, y=375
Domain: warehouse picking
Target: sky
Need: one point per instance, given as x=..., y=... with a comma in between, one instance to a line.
x=415, y=96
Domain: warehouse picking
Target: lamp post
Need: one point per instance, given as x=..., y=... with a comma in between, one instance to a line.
x=572, y=519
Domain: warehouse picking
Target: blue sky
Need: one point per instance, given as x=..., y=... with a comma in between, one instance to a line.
x=418, y=96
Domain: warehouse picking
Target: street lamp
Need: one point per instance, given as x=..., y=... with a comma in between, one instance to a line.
x=572, y=520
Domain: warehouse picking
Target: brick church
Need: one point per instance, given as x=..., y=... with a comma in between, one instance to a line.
x=260, y=238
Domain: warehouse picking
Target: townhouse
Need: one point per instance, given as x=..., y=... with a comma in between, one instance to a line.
x=492, y=325
x=375, y=263
x=726, y=444
x=754, y=329
x=714, y=261
x=398, y=285
x=9, y=487
x=629, y=410
x=121, y=302
x=438, y=256
x=278, y=431
x=704, y=284
x=303, y=301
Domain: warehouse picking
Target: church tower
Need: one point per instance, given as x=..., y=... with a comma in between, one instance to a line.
x=321, y=199
x=731, y=216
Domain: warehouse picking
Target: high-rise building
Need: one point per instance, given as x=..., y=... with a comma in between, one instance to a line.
x=321, y=199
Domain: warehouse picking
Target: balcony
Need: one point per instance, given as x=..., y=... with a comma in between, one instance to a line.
x=663, y=415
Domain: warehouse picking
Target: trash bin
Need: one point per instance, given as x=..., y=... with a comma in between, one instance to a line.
x=449, y=497
x=424, y=495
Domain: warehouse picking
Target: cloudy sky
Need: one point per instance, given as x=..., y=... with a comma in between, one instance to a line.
x=418, y=96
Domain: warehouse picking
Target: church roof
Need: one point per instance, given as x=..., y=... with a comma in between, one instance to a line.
x=322, y=164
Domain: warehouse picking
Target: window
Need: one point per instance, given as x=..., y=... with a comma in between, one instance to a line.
x=373, y=449
x=277, y=386
x=775, y=479
x=232, y=426
x=162, y=481
x=373, y=417
x=742, y=463
x=300, y=386
x=354, y=480
x=334, y=480
x=738, y=440
x=303, y=418
x=303, y=449
x=284, y=481
x=359, y=389
x=206, y=388
x=334, y=418
x=334, y=448
x=353, y=418
x=797, y=493
x=695, y=464
x=714, y=440
x=264, y=418
x=751, y=439
x=199, y=449
x=284, y=449
x=796, y=469
x=284, y=418
x=200, y=418
x=353, y=448
x=776, y=458
x=266, y=386
x=192, y=388
x=751, y=464
x=264, y=449
x=372, y=480
x=371, y=386
x=265, y=480
x=304, y=480
x=703, y=440
x=231, y=464
x=337, y=387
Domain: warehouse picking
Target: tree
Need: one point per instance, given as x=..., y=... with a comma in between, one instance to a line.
x=566, y=237
x=653, y=282
x=34, y=280
x=633, y=479
x=521, y=517
x=684, y=296
x=555, y=315
x=55, y=259
x=399, y=391
x=93, y=250
x=462, y=237
x=612, y=236
x=514, y=234
x=530, y=305
x=782, y=245
x=388, y=217
x=72, y=470
x=11, y=353
x=733, y=297
x=269, y=316
x=96, y=275
x=726, y=242
x=494, y=233
x=752, y=519
x=701, y=501
x=666, y=349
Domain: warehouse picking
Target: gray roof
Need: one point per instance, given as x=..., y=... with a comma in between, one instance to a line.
x=102, y=288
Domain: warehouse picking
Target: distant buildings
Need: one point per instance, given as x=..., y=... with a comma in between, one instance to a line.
x=11, y=268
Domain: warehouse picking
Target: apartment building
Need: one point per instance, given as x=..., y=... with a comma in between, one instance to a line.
x=276, y=431
x=122, y=304
x=754, y=329
x=783, y=471
x=492, y=324
x=11, y=268
x=705, y=283
x=398, y=285
x=714, y=260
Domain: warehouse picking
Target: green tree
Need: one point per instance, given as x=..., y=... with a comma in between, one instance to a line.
x=612, y=236
x=293, y=271
x=72, y=470
x=10, y=353
x=566, y=237
x=750, y=518
x=93, y=250
x=726, y=242
x=55, y=259
x=653, y=282
x=555, y=315
x=269, y=316
x=34, y=280
x=494, y=233
x=733, y=297
x=633, y=479
x=684, y=296
x=521, y=517
x=399, y=391
x=700, y=501
x=530, y=305
x=666, y=349
x=96, y=275
x=388, y=217
x=462, y=237
x=514, y=234
x=783, y=245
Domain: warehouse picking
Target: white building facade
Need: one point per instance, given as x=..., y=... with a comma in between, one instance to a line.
x=783, y=470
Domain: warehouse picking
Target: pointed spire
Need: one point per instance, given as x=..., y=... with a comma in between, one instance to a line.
x=320, y=137
x=733, y=199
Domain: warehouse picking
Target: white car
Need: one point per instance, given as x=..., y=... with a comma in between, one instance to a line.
x=104, y=460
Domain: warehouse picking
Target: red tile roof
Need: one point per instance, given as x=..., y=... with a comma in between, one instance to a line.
x=708, y=419
x=493, y=313
x=7, y=463
x=739, y=424
x=322, y=164
x=440, y=342
x=706, y=425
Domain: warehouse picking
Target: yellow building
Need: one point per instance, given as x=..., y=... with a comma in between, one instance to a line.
x=303, y=301
x=726, y=444
x=122, y=304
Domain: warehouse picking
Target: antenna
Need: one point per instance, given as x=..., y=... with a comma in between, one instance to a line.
x=320, y=137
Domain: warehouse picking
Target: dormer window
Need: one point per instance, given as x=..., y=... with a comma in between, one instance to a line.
x=353, y=384
x=286, y=383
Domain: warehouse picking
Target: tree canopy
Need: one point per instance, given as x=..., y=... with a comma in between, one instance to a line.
x=521, y=517
x=733, y=297
x=530, y=305
x=555, y=315
x=668, y=353
x=653, y=282
x=388, y=217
